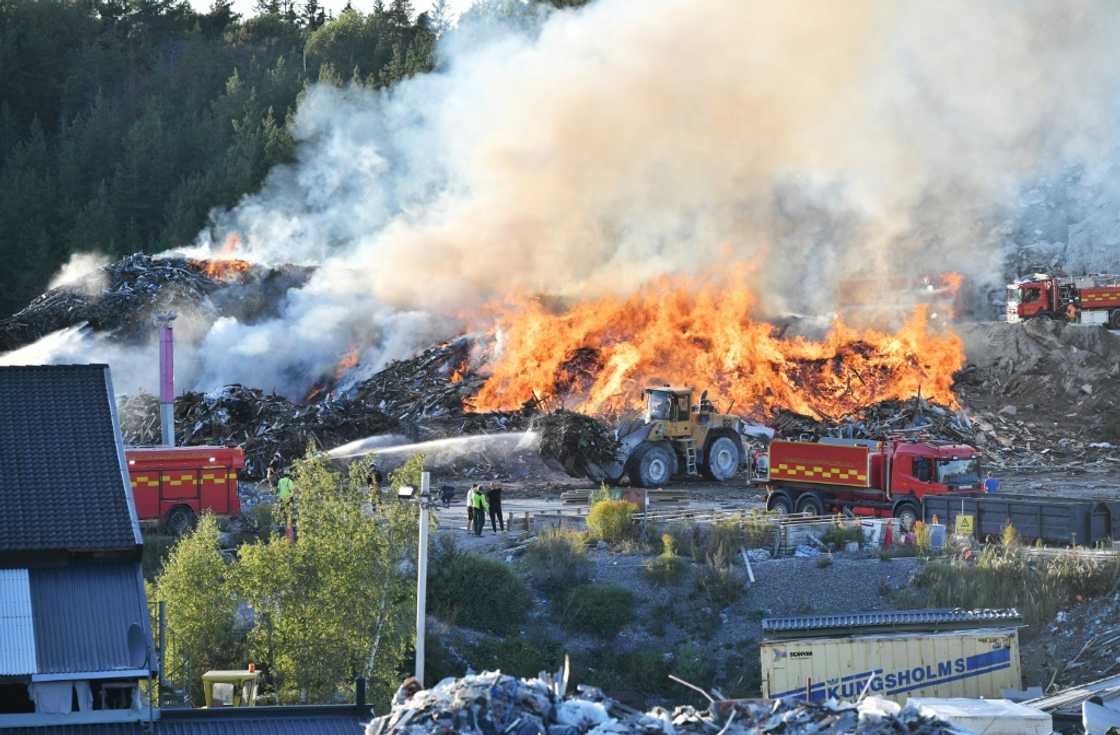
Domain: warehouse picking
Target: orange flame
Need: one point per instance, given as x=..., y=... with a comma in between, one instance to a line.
x=231, y=245
x=222, y=270
x=349, y=360
x=598, y=355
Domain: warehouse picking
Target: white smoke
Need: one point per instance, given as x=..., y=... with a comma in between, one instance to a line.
x=82, y=273
x=625, y=140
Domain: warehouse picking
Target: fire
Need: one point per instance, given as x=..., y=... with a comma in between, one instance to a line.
x=231, y=245
x=598, y=355
x=349, y=360
x=222, y=270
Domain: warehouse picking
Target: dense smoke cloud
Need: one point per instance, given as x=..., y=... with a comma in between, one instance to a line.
x=626, y=140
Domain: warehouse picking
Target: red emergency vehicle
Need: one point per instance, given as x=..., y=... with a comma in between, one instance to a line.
x=175, y=485
x=886, y=479
x=1092, y=300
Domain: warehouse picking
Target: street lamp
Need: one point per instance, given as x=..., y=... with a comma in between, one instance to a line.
x=407, y=492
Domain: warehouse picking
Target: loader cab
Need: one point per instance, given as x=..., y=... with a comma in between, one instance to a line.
x=668, y=404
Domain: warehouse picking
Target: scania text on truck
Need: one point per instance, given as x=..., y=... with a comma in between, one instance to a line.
x=867, y=478
x=175, y=485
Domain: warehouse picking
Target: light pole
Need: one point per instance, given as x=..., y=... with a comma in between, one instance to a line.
x=421, y=568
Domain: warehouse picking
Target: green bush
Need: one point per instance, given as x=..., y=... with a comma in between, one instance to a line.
x=598, y=495
x=557, y=560
x=157, y=547
x=840, y=535
x=475, y=592
x=599, y=609
x=667, y=568
x=611, y=520
x=719, y=581
x=1008, y=577
x=515, y=656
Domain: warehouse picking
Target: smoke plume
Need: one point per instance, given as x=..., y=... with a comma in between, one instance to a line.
x=626, y=140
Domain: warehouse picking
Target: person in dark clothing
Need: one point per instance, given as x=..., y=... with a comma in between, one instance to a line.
x=446, y=494
x=494, y=497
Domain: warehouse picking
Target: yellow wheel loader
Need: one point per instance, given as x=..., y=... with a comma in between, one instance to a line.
x=677, y=438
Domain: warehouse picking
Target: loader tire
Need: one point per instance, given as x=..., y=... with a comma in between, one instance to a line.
x=723, y=459
x=652, y=466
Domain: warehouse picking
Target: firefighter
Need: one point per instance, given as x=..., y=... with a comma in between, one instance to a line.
x=470, y=507
x=494, y=498
x=480, y=507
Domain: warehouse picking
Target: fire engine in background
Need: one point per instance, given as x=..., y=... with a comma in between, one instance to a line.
x=868, y=478
x=175, y=485
x=1092, y=300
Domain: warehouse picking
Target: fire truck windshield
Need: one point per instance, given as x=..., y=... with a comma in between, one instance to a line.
x=958, y=472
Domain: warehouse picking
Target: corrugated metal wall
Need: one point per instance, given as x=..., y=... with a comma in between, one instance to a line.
x=17, y=629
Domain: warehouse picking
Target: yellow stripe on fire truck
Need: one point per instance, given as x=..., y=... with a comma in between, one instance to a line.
x=827, y=473
x=213, y=478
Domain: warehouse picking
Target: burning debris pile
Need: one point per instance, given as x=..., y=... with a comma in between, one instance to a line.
x=269, y=428
x=597, y=356
x=915, y=418
x=430, y=393
x=491, y=702
x=122, y=298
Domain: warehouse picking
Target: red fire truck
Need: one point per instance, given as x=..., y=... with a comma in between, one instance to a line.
x=1092, y=300
x=175, y=485
x=886, y=479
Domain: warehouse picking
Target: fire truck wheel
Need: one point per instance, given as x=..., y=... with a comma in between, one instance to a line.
x=810, y=503
x=1114, y=319
x=724, y=456
x=907, y=516
x=652, y=466
x=780, y=504
x=180, y=520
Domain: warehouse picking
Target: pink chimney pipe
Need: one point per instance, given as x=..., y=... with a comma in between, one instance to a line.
x=166, y=379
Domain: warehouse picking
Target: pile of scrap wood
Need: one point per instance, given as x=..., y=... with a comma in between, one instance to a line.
x=581, y=445
x=269, y=428
x=492, y=702
x=123, y=297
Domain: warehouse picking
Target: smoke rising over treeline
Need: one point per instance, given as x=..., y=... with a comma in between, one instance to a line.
x=606, y=145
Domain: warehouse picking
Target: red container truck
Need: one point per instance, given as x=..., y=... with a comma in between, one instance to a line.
x=885, y=479
x=174, y=485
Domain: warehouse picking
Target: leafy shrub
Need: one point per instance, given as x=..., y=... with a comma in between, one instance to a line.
x=1010, y=535
x=157, y=547
x=611, y=520
x=668, y=568
x=598, y=495
x=600, y=609
x=840, y=535
x=719, y=582
x=1005, y=576
x=475, y=592
x=515, y=655
x=922, y=537
x=557, y=560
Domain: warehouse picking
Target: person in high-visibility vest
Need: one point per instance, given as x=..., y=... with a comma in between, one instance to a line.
x=480, y=509
x=284, y=489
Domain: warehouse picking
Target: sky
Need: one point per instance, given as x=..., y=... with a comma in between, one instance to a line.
x=245, y=7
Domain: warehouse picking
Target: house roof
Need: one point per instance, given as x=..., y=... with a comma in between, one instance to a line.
x=82, y=613
x=65, y=483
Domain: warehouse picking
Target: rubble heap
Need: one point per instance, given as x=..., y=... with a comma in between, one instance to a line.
x=579, y=444
x=915, y=417
x=492, y=702
x=428, y=393
x=269, y=428
x=122, y=298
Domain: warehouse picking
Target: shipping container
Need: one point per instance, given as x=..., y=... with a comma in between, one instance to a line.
x=962, y=663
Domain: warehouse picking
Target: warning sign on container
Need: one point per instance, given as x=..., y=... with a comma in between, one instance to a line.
x=964, y=525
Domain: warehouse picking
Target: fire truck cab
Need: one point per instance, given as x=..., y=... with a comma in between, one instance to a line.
x=885, y=479
x=1092, y=300
x=175, y=485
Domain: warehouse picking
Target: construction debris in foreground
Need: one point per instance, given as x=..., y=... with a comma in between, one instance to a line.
x=492, y=702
